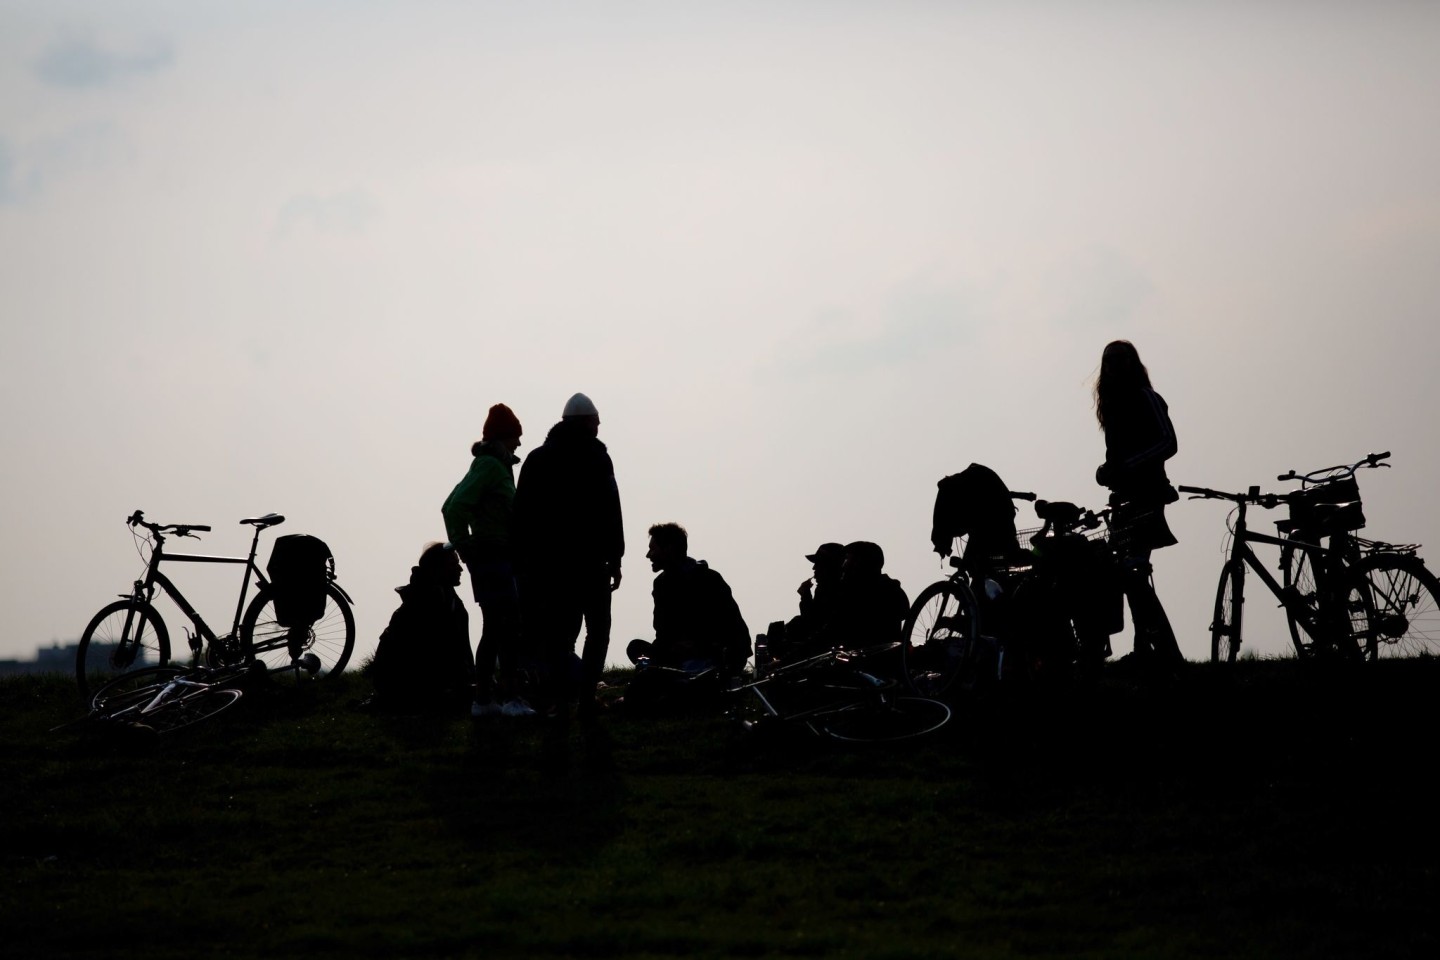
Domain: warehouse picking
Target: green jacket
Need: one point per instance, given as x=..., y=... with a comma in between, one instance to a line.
x=477, y=512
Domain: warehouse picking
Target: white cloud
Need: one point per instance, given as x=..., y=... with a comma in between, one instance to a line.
x=79, y=62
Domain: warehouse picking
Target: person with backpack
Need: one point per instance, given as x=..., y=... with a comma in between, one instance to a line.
x=1139, y=438
x=423, y=663
x=479, y=522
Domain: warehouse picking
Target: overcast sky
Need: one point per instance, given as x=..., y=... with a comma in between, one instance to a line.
x=806, y=258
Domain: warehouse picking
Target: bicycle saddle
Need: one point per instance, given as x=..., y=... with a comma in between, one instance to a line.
x=269, y=520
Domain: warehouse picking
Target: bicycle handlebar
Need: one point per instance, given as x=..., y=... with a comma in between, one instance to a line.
x=137, y=519
x=1339, y=471
x=1267, y=500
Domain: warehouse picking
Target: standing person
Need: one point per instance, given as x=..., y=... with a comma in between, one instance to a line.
x=478, y=522
x=1139, y=438
x=568, y=523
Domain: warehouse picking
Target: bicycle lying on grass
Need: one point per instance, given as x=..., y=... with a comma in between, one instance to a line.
x=130, y=634
x=841, y=694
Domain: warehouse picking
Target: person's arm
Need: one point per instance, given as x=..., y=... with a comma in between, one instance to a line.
x=459, y=508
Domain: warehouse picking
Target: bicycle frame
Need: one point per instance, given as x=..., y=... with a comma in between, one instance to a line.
x=1320, y=556
x=144, y=589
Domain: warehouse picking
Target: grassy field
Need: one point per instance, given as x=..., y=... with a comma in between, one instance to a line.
x=1265, y=811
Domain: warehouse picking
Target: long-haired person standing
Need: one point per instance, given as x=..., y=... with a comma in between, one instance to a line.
x=1139, y=438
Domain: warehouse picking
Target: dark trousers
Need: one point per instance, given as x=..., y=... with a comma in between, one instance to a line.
x=1154, y=637
x=557, y=604
x=499, y=599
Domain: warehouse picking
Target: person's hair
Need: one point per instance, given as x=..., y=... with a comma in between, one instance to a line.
x=866, y=557
x=433, y=554
x=1121, y=372
x=671, y=534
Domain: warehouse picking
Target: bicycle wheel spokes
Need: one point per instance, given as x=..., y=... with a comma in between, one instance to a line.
x=329, y=639
x=940, y=639
x=124, y=636
x=1405, y=606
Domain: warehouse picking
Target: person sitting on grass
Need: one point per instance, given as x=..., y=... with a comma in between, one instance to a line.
x=699, y=631
x=423, y=663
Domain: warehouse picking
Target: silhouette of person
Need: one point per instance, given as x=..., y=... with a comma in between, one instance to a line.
x=479, y=522
x=697, y=622
x=572, y=540
x=423, y=661
x=819, y=604
x=1139, y=438
x=872, y=606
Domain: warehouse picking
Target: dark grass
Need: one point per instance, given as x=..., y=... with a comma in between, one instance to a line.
x=1264, y=811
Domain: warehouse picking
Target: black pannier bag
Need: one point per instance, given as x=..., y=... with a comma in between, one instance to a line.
x=1328, y=507
x=300, y=569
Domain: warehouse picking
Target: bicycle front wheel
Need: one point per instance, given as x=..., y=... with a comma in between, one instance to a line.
x=131, y=689
x=941, y=648
x=331, y=639
x=187, y=708
x=1404, y=606
x=124, y=636
x=898, y=718
x=1229, y=608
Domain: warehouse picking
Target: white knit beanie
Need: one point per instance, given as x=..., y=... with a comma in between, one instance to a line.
x=580, y=406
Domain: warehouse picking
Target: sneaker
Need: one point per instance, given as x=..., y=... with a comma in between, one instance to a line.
x=517, y=708
x=491, y=709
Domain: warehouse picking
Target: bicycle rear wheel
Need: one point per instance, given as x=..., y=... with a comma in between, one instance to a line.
x=131, y=688
x=1229, y=613
x=886, y=720
x=941, y=640
x=331, y=638
x=1404, y=606
x=1299, y=575
x=125, y=636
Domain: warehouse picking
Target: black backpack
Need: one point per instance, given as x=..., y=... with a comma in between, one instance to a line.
x=300, y=569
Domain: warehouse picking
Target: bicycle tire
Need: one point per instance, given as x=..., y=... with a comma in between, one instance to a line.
x=887, y=720
x=330, y=638
x=941, y=640
x=188, y=708
x=1226, y=623
x=1404, y=601
x=125, y=625
x=119, y=692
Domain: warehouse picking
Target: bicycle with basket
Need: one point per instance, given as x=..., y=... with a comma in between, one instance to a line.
x=1027, y=605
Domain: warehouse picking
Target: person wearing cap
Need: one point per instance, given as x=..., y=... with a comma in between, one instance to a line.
x=479, y=522
x=423, y=663
x=819, y=598
x=571, y=542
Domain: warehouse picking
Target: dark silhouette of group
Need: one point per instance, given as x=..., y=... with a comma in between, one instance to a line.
x=544, y=555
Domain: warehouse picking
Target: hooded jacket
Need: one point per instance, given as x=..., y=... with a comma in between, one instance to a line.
x=479, y=511
x=424, y=653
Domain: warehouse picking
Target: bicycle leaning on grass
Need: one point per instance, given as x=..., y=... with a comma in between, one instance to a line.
x=160, y=699
x=129, y=634
x=1404, y=595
